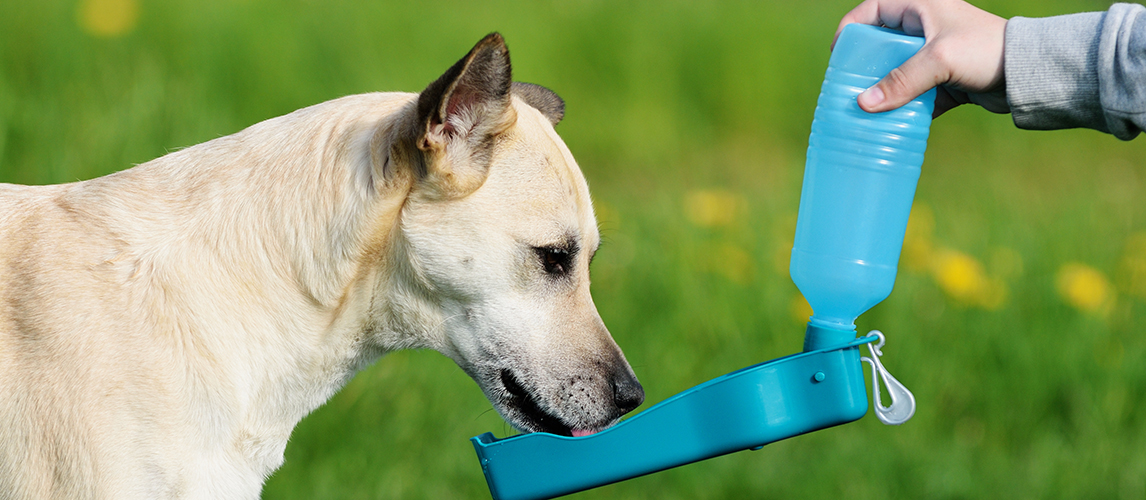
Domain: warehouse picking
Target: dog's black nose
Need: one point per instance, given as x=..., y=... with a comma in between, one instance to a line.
x=627, y=393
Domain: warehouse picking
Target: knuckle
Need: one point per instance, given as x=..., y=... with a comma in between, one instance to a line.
x=940, y=54
x=897, y=82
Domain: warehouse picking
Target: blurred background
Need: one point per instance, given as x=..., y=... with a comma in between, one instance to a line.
x=1013, y=317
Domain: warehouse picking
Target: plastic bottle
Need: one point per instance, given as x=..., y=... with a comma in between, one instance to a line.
x=859, y=183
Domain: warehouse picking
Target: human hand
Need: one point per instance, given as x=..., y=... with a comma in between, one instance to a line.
x=962, y=55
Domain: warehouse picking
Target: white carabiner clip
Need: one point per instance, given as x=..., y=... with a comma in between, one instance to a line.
x=902, y=401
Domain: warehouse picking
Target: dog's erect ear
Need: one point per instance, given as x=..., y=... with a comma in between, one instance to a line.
x=475, y=88
x=545, y=100
x=460, y=113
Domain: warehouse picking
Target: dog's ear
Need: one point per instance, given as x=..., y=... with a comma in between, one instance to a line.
x=460, y=114
x=546, y=101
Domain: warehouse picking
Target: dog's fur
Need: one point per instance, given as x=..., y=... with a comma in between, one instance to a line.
x=164, y=328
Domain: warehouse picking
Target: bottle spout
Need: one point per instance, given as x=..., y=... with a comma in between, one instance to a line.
x=821, y=336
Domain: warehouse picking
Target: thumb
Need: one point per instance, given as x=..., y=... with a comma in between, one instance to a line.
x=911, y=79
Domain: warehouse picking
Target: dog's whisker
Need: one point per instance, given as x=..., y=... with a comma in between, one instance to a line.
x=440, y=326
x=482, y=414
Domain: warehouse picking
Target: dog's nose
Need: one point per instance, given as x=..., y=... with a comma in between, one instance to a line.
x=627, y=393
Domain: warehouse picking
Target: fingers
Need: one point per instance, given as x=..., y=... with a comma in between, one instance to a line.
x=946, y=99
x=904, y=15
x=914, y=77
x=864, y=13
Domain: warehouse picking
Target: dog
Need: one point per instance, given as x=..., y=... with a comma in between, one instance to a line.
x=164, y=328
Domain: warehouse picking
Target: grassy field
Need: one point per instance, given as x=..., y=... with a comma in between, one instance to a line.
x=1013, y=318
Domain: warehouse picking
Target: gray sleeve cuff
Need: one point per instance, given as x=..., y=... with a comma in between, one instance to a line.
x=1122, y=69
x=1051, y=72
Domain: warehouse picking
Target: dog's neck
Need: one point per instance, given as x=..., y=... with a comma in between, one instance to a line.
x=308, y=266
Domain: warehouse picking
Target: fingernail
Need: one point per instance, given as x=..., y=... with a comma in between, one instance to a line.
x=870, y=98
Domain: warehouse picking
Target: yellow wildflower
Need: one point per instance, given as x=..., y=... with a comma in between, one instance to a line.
x=1084, y=288
x=713, y=207
x=108, y=18
x=964, y=279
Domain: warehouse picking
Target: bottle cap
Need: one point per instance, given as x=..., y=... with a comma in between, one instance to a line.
x=872, y=50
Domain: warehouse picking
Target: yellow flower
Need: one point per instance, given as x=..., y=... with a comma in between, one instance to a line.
x=1084, y=288
x=713, y=207
x=964, y=279
x=958, y=274
x=108, y=18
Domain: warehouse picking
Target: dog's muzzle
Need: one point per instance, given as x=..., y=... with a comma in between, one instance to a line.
x=627, y=395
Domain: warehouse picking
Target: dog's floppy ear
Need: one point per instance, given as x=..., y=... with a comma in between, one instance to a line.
x=546, y=101
x=460, y=114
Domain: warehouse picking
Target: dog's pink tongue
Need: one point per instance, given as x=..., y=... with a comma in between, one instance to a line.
x=582, y=432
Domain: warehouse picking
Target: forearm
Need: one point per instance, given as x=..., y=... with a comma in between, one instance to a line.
x=1081, y=70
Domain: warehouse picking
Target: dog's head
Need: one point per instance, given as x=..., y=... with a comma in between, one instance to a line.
x=498, y=231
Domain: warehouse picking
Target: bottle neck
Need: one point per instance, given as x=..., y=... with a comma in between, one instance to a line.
x=822, y=336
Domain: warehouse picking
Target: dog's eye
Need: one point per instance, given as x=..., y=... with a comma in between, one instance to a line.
x=555, y=260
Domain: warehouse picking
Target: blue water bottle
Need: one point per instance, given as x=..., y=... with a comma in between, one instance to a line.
x=859, y=183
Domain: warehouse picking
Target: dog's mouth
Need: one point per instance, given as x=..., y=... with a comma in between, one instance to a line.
x=529, y=409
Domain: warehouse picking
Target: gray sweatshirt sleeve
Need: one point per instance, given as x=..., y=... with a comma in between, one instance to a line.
x=1080, y=70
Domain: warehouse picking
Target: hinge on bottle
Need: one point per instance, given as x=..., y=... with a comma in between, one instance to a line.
x=902, y=401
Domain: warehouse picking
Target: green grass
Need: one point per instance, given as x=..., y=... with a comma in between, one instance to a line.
x=1033, y=399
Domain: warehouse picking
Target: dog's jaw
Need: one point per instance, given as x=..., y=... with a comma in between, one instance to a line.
x=522, y=408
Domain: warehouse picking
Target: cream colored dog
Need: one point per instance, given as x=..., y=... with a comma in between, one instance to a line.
x=164, y=328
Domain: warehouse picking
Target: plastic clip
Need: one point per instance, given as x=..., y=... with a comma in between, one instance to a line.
x=902, y=401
